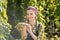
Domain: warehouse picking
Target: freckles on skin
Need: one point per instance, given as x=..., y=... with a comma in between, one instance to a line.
x=30, y=15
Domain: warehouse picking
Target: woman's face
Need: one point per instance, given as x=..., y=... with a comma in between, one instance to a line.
x=30, y=15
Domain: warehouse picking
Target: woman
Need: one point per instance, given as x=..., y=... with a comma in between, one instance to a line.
x=30, y=29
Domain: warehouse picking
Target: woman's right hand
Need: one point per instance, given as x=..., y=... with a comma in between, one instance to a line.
x=26, y=26
x=23, y=25
x=23, y=33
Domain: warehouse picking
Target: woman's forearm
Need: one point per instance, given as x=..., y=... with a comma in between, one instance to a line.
x=33, y=36
x=24, y=33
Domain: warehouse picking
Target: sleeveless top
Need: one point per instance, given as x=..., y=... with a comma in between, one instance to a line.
x=36, y=33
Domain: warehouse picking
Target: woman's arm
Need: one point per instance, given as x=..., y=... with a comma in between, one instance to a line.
x=25, y=28
x=29, y=29
x=23, y=33
x=33, y=36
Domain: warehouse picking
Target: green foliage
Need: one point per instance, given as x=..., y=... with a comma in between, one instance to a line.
x=4, y=29
x=4, y=26
x=48, y=14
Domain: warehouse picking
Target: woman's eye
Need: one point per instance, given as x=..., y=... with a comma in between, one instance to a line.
x=31, y=14
x=27, y=14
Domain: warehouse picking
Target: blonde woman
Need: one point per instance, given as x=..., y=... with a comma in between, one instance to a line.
x=31, y=28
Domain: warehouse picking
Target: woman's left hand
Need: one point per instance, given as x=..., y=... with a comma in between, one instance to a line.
x=29, y=28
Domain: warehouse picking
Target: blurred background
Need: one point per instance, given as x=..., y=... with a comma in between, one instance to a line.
x=14, y=11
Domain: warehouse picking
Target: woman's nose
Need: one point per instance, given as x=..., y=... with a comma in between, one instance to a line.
x=29, y=15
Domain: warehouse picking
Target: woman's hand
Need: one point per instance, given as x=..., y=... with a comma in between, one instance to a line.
x=26, y=26
x=23, y=33
x=29, y=28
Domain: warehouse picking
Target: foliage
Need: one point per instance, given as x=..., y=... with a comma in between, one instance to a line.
x=4, y=29
x=4, y=25
x=48, y=14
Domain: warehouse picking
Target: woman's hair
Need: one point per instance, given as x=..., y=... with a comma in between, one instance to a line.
x=34, y=9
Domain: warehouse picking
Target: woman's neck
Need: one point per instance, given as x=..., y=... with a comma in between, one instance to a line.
x=33, y=22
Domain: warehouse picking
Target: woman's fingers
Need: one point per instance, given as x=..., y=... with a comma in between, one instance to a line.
x=26, y=26
x=22, y=23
